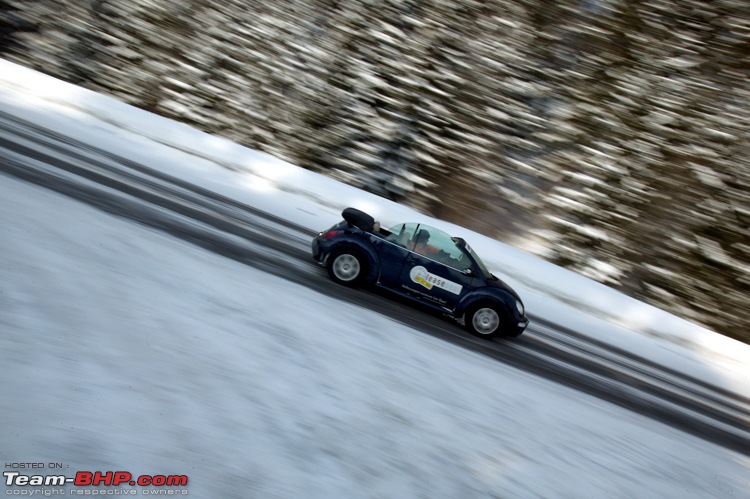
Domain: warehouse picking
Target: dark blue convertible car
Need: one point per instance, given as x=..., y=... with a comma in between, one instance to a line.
x=424, y=264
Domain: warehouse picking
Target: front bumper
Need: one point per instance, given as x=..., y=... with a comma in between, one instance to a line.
x=521, y=327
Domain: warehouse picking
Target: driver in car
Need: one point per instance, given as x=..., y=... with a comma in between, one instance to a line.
x=420, y=242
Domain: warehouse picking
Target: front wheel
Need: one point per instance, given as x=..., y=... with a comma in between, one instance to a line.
x=484, y=320
x=346, y=267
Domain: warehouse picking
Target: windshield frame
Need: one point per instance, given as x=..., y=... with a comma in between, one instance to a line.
x=482, y=267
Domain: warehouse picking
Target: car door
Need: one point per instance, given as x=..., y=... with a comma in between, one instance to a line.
x=393, y=251
x=435, y=270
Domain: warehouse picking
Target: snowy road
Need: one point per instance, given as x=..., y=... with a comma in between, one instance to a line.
x=274, y=245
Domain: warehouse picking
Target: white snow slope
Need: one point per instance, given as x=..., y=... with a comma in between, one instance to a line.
x=125, y=349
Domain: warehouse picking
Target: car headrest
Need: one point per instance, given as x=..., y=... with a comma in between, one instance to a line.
x=422, y=237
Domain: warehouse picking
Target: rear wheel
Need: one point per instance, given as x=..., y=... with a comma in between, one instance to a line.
x=485, y=320
x=347, y=267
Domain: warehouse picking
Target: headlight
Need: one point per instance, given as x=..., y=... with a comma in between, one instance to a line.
x=519, y=307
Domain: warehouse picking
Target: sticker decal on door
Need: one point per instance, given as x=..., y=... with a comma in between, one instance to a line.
x=421, y=276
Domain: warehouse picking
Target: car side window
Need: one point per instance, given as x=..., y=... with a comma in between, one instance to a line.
x=429, y=242
x=402, y=234
x=445, y=250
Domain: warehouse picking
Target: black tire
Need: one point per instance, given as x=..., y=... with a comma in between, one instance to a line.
x=359, y=219
x=347, y=266
x=486, y=320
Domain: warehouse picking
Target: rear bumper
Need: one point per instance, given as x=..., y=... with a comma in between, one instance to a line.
x=316, y=253
x=319, y=249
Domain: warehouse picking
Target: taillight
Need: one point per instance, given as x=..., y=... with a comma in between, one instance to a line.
x=330, y=234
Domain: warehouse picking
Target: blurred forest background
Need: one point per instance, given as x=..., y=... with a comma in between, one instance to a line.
x=609, y=136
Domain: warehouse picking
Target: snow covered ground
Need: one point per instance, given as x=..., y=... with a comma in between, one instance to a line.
x=126, y=349
x=123, y=348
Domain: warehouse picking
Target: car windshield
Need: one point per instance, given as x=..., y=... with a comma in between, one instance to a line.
x=481, y=264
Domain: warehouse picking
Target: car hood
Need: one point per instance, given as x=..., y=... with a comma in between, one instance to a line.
x=496, y=282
